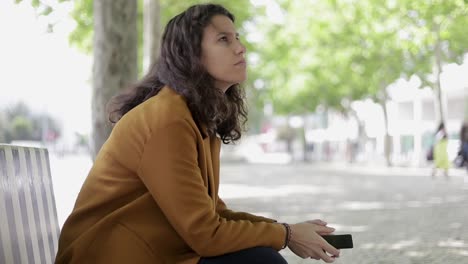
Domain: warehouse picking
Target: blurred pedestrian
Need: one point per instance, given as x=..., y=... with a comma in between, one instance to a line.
x=440, y=152
x=462, y=157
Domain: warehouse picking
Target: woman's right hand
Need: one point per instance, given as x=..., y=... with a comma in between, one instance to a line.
x=307, y=242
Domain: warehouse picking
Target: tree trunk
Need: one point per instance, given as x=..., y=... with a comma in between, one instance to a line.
x=438, y=72
x=361, y=140
x=289, y=137
x=303, y=132
x=115, y=60
x=151, y=32
x=387, y=140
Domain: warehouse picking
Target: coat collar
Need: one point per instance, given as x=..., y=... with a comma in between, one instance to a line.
x=201, y=127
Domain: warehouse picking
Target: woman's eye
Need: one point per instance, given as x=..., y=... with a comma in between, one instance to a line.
x=223, y=38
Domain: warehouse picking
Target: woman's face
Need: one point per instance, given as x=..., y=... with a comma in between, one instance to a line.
x=222, y=54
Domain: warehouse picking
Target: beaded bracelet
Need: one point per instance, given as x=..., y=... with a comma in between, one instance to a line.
x=288, y=235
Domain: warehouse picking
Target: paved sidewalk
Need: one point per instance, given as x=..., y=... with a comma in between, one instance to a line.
x=395, y=216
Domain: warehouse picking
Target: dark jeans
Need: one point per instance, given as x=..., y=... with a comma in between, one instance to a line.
x=256, y=255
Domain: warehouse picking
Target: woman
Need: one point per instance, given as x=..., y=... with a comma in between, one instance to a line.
x=441, y=159
x=152, y=193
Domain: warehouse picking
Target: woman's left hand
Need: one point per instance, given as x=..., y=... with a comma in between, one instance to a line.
x=322, y=223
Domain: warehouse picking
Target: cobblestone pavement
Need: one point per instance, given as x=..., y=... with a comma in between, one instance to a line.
x=402, y=217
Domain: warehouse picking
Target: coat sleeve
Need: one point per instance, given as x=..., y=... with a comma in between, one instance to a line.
x=223, y=211
x=169, y=169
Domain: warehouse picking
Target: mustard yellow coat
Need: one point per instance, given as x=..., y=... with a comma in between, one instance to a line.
x=152, y=195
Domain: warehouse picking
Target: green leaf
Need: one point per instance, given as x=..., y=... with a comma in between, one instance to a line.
x=46, y=11
x=35, y=3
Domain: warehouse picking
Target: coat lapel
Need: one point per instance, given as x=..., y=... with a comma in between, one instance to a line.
x=209, y=167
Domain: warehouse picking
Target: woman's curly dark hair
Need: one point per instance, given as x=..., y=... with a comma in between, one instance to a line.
x=179, y=67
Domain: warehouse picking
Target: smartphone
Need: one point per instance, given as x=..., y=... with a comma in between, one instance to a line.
x=339, y=241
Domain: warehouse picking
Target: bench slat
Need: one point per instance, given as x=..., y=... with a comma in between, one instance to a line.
x=28, y=217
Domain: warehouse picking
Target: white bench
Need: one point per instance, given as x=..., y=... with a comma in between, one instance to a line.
x=29, y=227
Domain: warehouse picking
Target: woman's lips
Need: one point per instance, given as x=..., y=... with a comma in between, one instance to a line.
x=241, y=62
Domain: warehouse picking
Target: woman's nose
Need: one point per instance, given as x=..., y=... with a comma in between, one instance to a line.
x=240, y=48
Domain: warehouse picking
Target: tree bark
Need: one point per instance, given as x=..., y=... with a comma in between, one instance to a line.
x=303, y=132
x=387, y=140
x=438, y=72
x=362, y=138
x=115, y=60
x=152, y=32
